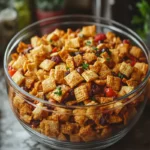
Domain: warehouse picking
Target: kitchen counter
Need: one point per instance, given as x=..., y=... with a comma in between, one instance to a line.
x=14, y=137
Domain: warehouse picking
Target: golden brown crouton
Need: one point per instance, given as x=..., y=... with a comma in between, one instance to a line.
x=50, y=128
x=113, y=82
x=126, y=69
x=26, y=118
x=63, y=54
x=70, y=63
x=110, y=35
x=18, y=78
x=47, y=64
x=89, y=75
x=89, y=57
x=125, y=90
x=143, y=67
x=103, y=100
x=18, y=102
x=73, y=43
x=81, y=93
x=80, y=116
x=26, y=109
x=104, y=71
x=61, y=137
x=89, y=30
x=78, y=60
x=114, y=119
x=69, y=128
x=87, y=133
x=136, y=74
x=73, y=78
x=48, y=84
x=96, y=66
x=135, y=51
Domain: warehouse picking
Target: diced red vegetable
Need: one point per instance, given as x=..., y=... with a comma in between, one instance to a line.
x=126, y=41
x=100, y=37
x=54, y=49
x=133, y=60
x=110, y=92
x=11, y=71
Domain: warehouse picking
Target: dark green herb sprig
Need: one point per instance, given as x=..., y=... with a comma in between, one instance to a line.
x=120, y=75
x=85, y=66
x=108, y=59
x=59, y=91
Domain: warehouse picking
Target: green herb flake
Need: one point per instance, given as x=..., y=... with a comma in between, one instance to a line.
x=120, y=75
x=95, y=48
x=58, y=91
x=85, y=66
x=88, y=43
x=67, y=68
x=108, y=59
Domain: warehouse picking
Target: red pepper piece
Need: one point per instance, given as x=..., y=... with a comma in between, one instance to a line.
x=110, y=92
x=54, y=50
x=100, y=37
x=11, y=71
x=126, y=41
x=133, y=60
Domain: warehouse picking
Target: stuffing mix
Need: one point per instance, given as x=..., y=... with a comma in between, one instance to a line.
x=77, y=68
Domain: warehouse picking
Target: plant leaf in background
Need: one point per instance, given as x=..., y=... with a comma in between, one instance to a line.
x=141, y=22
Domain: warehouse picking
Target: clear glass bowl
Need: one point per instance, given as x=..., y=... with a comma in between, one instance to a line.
x=75, y=127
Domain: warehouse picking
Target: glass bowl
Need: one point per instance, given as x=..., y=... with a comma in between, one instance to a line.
x=75, y=127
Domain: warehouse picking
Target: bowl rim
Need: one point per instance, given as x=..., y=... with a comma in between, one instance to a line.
x=27, y=95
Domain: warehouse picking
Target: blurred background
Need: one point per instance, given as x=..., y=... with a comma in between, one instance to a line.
x=16, y=14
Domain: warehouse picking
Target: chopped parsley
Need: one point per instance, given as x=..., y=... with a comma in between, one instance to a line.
x=67, y=68
x=108, y=59
x=95, y=48
x=120, y=75
x=88, y=43
x=58, y=91
x=85, y=66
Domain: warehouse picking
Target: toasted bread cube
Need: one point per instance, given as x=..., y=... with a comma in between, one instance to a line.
x=73, y=78
x=125, y=90
x=62, y=137
x=47, y=64
x=26, y=118
x=136, y=74
x=19, y=62
x=135, y=51
x=123, y=49
x=89, y=30
x=78, y=60
x=143, y=67
x=96, y=67
x=32, y=67
x=64, y=114
x=115, y=55
x=59, y=97
x=18, y=78
x=126, y=69
x=80, y=116
x=104, y=71
x=52, y=73
x=48, y=84
x=110, y=35
x=132, y=83
x=26, y=109
x=18, y=102
x=114, y=119
x=89, y=57
x=87, y=133
x=106, y=100
x=63, y=54
x=72, y=43
x=40, y=74
x=106, y=132
x=89, y=75
x=75, y=138
x=70, y=63
x=81, y=93
x=50, y=128
x=39, y=112
x=29, y=81
x=34, y=41
x=52, y=35
x=69, y=128
x=113, y=82
x=59, y=73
